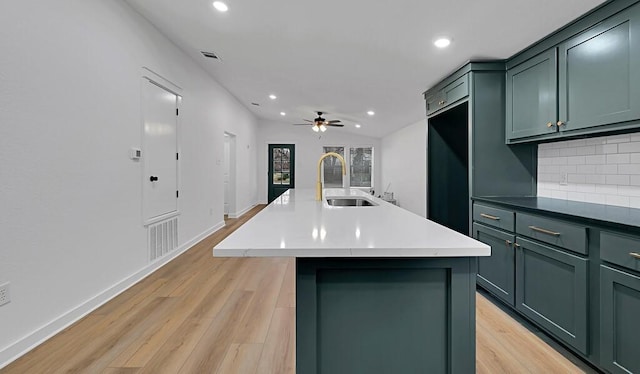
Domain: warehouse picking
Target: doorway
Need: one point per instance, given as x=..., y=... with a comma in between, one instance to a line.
x=281, y=169
x=160, y=152
x=229, y=175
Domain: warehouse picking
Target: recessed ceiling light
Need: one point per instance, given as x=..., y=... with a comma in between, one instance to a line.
x=283, y=113
x=442, y=42
x=358, y=125
x=371, y=113
x=220, y=6
x=273, y=97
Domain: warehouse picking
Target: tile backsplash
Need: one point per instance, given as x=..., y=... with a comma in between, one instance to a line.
x=603, y=170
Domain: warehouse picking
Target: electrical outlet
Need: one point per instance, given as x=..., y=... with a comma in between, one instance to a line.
x=564, y=178
x=5, y=296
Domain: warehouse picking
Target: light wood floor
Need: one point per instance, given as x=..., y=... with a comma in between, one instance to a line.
x=201, y=314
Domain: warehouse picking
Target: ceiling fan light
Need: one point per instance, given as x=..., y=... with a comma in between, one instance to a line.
x=315, y=128
x=323, y=128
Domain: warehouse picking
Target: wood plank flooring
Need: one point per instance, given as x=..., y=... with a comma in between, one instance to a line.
x=200, y=314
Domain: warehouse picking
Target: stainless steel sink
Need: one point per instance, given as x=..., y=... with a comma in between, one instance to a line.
x=350, y=202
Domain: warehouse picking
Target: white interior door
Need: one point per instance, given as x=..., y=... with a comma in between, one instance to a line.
x=160, y=145
x=227, y=167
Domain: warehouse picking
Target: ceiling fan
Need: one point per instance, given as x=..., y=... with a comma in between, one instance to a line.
x=320, y=124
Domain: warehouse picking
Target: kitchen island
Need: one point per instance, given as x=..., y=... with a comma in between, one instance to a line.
x=378, y=288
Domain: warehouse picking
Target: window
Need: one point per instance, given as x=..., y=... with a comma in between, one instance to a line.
x=361, y=162
x=281, y=166
x=332, y=168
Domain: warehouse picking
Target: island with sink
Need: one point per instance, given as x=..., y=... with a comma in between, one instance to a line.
x=378, y=288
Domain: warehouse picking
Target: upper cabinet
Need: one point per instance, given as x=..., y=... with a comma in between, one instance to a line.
x=441, y=98
x=596, y=87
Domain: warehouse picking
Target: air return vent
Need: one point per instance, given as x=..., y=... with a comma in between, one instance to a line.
x=163, y=238
x=210, y=55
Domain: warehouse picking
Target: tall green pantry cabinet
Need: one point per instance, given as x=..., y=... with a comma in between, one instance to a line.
x=466, y=152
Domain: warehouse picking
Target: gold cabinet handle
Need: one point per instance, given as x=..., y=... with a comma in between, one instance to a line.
x=489, y=216
x=516, y=245
x=548, y=232
x=442, y=102
x=508, y=242
x=550, y=124
x=560, y=123
x=635, y=255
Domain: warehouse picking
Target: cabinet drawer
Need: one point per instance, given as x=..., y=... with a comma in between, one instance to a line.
x=620, y=250
x=496, y=217
x=561, y=233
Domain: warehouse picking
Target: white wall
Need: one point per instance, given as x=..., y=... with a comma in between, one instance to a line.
x=308, y=150
x=602, y=170
x=404, y=166
x=70, y=223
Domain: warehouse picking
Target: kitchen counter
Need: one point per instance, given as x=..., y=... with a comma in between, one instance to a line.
x=378, y=288
x=596, y=213
x=296, y=225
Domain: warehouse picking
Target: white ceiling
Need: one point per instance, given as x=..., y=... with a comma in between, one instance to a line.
x=346, y=57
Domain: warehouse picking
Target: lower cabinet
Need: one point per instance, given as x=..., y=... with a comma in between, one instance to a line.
x=551, y=289
x=496, y=272
x=619, y=314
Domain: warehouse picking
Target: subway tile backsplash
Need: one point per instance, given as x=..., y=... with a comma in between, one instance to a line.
x=603, y=170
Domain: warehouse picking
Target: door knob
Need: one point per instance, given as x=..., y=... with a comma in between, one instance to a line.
x=153, y=178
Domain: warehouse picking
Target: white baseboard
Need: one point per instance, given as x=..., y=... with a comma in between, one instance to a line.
x=243, y=211
x=39, y=336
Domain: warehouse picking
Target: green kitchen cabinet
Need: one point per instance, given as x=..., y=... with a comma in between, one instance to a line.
x=551, y=290
x=532, y=97
x=409, y=315
x=441, y=98
x=620, y=309
x=466, y=152
x=599, y=74
x=496, y=273
x=585, y=84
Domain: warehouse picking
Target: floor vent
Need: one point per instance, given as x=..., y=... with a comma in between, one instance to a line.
x=163, y=238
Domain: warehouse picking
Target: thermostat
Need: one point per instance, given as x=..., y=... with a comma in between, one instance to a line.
x=135, y=153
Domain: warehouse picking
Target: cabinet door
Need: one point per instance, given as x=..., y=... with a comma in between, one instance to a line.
x=619, y=312
x=599, y=74
x=496, y=273
x=434, y=102
x=532, y=97
x=551, y=289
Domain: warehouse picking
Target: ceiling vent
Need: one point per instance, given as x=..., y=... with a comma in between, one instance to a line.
x=210, y=55
x=255, y=104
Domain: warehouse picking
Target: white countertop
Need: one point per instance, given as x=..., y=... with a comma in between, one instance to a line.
x=296, y=225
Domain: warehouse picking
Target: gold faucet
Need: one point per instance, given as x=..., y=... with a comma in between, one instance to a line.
x=319, y=183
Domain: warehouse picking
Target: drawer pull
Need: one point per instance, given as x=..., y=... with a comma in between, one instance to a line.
x=489, y=216
x=550, y=125
x=508, y=242
x=516, y=245
x=635, y=255
x=553, y=233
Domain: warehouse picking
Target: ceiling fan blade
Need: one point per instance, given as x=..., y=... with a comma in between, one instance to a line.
x=334, y=124
x=302, y=124
x=334, y=121
x=307, y=120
